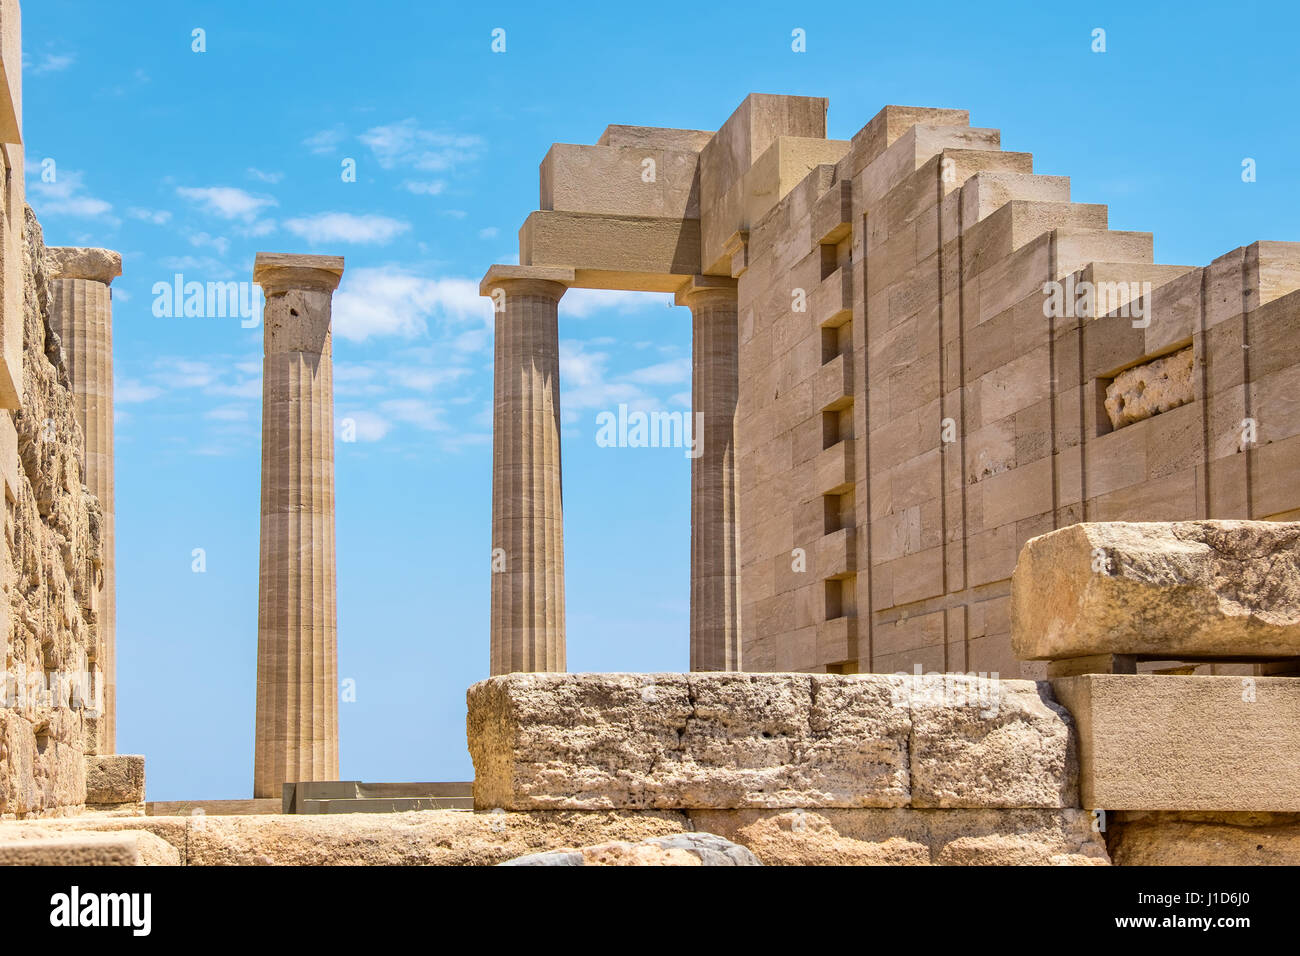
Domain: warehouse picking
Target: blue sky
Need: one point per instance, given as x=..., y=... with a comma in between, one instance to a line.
x=192, y=162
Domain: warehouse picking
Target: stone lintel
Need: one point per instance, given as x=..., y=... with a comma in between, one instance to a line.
x=281, y=271
x=498, y=275
x=81, y=262
x=701, y=288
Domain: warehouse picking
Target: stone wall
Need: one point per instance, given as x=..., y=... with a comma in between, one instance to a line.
x=51, y=575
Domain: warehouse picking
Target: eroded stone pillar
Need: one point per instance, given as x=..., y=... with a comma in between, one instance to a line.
x=527, y=506
x=715, y=551
x=81, y=313
x=297, y=731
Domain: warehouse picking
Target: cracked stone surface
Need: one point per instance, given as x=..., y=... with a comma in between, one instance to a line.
x=1146, y=390
x=739, y=740
x=685, y=849
x=1184, y=588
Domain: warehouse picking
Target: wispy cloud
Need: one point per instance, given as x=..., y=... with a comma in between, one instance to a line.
x=407, y=144
x=66, y=196
x=346, y=227
x=326, y=141
x=264, y=177
x=382, y=301
x=226, y=202
x=159, y=217
x=51, y=63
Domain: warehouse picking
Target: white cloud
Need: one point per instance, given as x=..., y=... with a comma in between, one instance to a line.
x=52, y=63
x=129, y=390
x=227, y=202
x=389, y=301
x=665, y=373
x=489, y=233
x=227, y=413
x=220, y=244
x=424, y=189
x=159, y=217
x=406, y=144
x=264, y=177
x=66, y=196
x=415, y=412
x=326, y=141
x=367, y=425
x=345, y=227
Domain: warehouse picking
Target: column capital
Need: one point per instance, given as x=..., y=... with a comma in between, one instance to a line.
x=539, y=280
x=707, y=290
x=282, y=271
x=82, y=262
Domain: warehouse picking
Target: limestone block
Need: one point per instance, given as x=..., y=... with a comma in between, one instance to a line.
x=114, y=778
x=123, y=848
x=986, y=742
x=655, y=137
x=1149, y=389
x=621, y=181
x=687, y=849
x=1204, y=839
x=1164, y=742
x=677, y=741
x=1177, y=589
x=614, y=252
x=673, y=741
x=906, y=837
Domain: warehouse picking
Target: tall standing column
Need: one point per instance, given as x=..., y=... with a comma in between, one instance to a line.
x=715, y=551
x=81, y=312
x=297, y=731
x=527, y=506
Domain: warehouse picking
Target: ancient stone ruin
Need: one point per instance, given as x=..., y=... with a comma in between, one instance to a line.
x=995, y=532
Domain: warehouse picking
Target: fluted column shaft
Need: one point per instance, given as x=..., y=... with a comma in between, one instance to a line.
x=297, y=655
x=81, y=313
x=715, y=551
x=527, y=630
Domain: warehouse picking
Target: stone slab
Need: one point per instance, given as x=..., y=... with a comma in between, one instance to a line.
x=1204, y=839
x=114, y=778
x=122, y=848
x=1184, y=589
x=735, y=740
x=1169, y=742
x=686, y=849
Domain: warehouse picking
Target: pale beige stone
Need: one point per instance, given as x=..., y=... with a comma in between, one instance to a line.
x=81, y=313
x=686, y=849
x=114, y=778
x=1180, y=589
x=1204, y=839
x=123, y=848
x=722, y=741
x=296, y=735
x=1168, y=742
x=1150, y=388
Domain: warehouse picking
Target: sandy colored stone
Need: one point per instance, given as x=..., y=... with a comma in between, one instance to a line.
x=122, y=848
x=680, y=741
x=1166, y=742
x=986, y=742
x=114, y=778
x=907, y=837
x=686, y=849
x=80, y=262
x=1192, y=839
x=1174, y=589
x=688, y=741
x=1150, y=388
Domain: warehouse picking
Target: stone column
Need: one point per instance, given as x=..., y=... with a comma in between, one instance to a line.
x=81, y=313
x=715, y=552
x=527, y=507
x=297, y=731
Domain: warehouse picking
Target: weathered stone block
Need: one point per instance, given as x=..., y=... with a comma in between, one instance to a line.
x=1164, y=742
x=723, y=741
x=685, y=849
x=114, y=778
x=1178, y=589
x=1150, y=388
x=124, y=848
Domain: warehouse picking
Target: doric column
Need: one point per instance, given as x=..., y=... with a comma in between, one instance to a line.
x=527, y=505
x=715, y=552
x=297, y=732
x=81, y=313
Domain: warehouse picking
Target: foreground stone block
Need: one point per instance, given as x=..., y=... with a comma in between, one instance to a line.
x=114, y=779
x=1162, y=742
x=1205, y=839
x=1183, y=589
x=126, y=848
x=723, y=741
x=687, y=849
x=903, y=837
